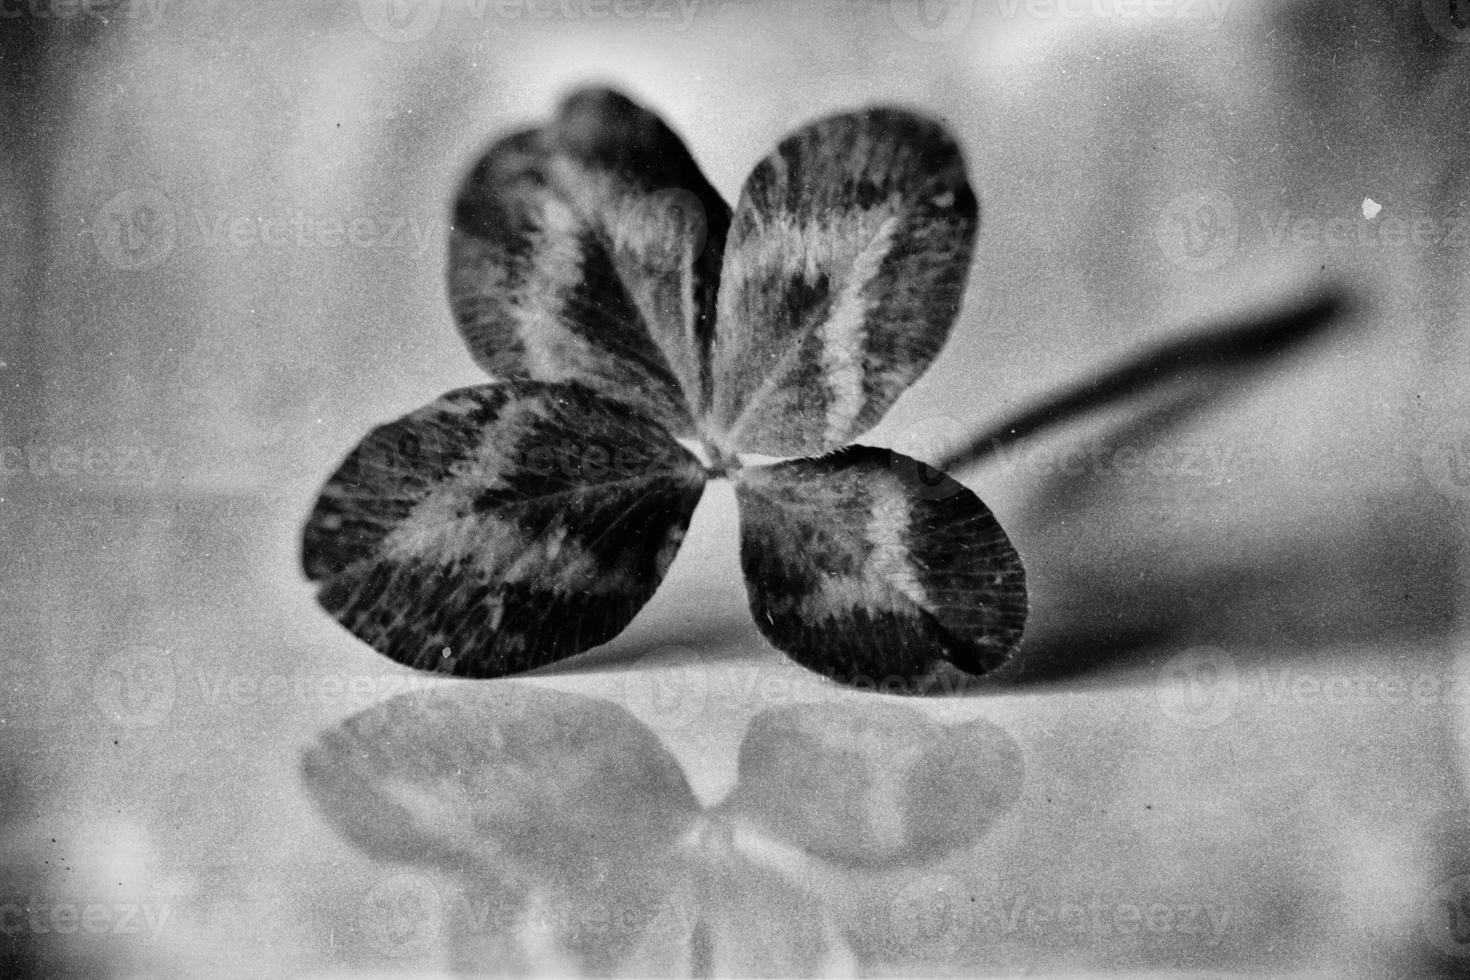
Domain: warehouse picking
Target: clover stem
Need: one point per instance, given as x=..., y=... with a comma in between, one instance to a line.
x=1230, y=346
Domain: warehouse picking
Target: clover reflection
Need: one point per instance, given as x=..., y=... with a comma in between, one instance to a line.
x=529, y=829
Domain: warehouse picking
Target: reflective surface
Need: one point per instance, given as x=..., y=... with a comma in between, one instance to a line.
x=1241, y=720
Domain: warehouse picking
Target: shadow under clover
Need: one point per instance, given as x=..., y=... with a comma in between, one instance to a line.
x=542, y=830
x=1154, y=532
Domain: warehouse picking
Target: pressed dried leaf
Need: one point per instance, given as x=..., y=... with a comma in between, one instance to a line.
x=589, y=250
x=859, y=569
x=589, y=254
x=500, y=528
x=844, y=270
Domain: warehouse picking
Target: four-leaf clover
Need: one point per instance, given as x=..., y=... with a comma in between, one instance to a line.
x=643, y=339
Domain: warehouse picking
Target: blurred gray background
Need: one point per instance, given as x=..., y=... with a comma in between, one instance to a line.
x=224, y=240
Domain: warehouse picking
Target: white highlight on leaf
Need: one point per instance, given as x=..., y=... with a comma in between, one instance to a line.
x=890, y=560
x=556, y=264
x=845, y=335
x=753, y=358
x=887, y=573
x=444, y=527
x=436, y=528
